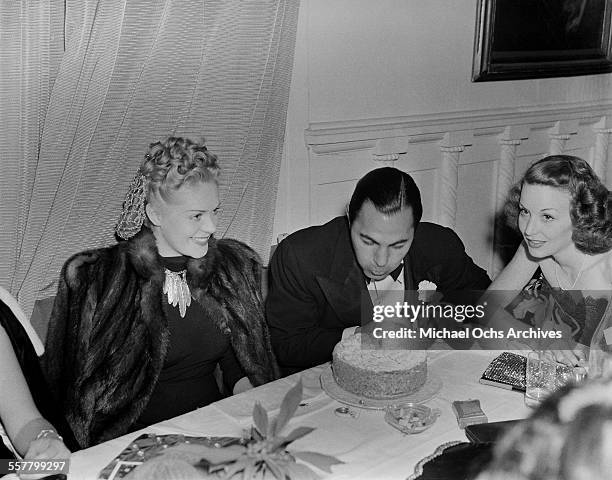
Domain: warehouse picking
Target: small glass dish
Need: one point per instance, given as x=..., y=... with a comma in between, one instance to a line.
x=411, y=417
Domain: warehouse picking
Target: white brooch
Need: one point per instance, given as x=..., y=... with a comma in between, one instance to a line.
x=426, y=290
x=175, y=286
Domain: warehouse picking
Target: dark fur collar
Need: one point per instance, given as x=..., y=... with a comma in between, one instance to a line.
x=110, y=300
x=142, y=251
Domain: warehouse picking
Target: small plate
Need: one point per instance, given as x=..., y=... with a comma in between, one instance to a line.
x=411, y=417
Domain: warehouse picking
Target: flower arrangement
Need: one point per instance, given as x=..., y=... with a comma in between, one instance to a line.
x=426, y=290
x=263, y=454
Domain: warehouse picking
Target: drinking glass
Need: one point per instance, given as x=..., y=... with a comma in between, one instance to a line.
x=540, y=380
x=567, y=375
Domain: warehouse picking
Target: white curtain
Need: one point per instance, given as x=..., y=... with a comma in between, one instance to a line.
x=90, y=84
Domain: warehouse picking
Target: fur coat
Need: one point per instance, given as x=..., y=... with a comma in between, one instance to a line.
x=108, y=335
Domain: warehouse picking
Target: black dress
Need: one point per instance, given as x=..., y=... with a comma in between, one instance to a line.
x=187, y=380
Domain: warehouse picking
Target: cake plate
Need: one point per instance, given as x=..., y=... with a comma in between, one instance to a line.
x=432, y=386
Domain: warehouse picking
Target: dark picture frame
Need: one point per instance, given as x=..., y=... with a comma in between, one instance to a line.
x=518, y=39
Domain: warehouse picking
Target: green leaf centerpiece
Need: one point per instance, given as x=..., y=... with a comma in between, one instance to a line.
x=264, y=454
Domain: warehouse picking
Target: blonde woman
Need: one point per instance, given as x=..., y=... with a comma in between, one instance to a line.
x=138, y=329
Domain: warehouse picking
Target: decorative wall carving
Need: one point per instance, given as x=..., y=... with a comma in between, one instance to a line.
x=509, y=143
x=601, y=163
x=386, y=158
x=451, y=147
x=560, y=134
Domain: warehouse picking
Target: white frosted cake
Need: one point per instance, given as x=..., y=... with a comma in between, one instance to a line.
x=378, y=373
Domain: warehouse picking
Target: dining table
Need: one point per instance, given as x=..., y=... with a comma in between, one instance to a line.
x=367, y=446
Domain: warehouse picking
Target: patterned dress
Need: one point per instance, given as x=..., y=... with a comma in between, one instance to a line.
x=584, y=317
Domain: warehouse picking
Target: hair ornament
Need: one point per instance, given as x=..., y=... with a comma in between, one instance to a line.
x=133, y=213
x=579, y=398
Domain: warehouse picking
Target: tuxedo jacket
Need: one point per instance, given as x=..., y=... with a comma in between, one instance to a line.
x=316, y=286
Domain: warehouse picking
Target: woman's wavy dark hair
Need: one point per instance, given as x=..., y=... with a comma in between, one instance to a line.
x=590, y=200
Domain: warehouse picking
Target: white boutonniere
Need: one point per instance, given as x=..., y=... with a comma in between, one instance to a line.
x=426, y=290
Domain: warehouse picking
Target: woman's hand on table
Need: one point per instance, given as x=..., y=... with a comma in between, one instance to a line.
x=40, y=441
x=574, y=357
x=47, y=448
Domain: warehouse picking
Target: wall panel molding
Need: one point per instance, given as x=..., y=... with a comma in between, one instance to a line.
x=464, y=162
x=482, y=122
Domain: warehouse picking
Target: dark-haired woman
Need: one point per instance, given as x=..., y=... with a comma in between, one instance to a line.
x=563, y=211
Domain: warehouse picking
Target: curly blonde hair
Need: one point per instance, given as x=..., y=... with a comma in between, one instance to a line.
x=174, y=162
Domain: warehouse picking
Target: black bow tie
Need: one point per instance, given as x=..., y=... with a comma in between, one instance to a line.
x=395, y=273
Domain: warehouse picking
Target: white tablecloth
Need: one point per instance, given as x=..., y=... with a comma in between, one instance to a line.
x=368, y=446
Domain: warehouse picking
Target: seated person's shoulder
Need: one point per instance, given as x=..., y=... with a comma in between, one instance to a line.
x=431, y=237
x=85, y=265
x=237, y=249
x=439, y=248
x=598, y=276
x=316, y=242
x=81, y=261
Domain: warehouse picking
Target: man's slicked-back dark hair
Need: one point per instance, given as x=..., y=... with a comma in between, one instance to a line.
x=390, y=190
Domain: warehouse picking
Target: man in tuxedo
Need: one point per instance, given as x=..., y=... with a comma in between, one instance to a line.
x=319, y=275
